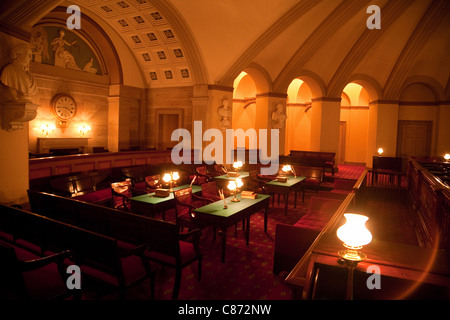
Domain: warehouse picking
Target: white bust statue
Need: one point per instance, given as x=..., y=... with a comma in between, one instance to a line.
x=225, y=114
x=278, y=117
x=17, y=77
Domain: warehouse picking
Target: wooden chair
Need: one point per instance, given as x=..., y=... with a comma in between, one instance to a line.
x=185, y=203
x=314, y=178
x=121, y=194
x=26, y=276
x=201, y=174
x=257, y=182
x=153, y=182
x=210, y=191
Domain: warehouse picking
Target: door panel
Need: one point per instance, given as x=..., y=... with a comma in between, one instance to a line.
x=414, y=138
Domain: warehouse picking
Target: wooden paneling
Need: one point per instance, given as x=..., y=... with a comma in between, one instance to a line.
x=51, y=166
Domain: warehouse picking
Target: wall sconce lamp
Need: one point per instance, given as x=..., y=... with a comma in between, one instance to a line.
x=354, y=235
x=380, y=151
x=84, y=129
x=288, y=168
x=234, y=186
x=447, y=157
x=47, y=128
x=171, y=178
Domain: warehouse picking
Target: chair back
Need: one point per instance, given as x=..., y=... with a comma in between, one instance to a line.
x=120, y=191
x=153, y=182
x=183, y=197
x=209, y=191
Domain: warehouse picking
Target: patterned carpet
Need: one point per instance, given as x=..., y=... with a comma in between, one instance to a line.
x=247, y=271
x=245, y=275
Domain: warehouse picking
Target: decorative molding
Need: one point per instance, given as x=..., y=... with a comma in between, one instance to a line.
x=16, y=114
x=327, y=99
x=272, y=95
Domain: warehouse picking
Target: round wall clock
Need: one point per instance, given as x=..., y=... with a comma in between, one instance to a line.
x=64, y=108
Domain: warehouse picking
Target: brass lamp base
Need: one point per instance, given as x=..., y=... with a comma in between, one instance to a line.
x=352, y=255
x=235, y=200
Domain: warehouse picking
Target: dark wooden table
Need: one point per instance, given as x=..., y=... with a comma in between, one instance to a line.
x=215, y=215
x=285, y=188
x=150, y=204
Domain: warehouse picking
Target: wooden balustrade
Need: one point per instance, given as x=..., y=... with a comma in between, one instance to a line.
x=429, y=202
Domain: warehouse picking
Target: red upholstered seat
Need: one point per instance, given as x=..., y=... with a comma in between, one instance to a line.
x=23, y=281
x=99, y=196
x=187, y=253
x=133, y=270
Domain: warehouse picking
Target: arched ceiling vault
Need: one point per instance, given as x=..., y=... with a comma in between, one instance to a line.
x=212, y=41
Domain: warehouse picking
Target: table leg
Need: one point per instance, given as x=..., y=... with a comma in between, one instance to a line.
x=247, y=230
x=286, y=204
x=224, y=243
x=266, y=213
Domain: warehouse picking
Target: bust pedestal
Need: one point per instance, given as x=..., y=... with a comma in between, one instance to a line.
x=16, y=113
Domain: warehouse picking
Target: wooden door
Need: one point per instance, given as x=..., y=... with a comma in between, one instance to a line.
x=414, y=138
x=167, y=124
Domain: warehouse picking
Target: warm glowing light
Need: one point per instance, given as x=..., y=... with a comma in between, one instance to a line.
x=84, y=129
x=167, y=177
x=237, y=165
x=232, y=185
x=47, y=128
x=380, y=151
x=239, y=183
x=354, y=233
x=170, y=178
x=288, y=168
x=447, y=156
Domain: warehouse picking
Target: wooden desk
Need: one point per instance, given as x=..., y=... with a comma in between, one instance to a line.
x=148, y=203
x=399, y=262
x=215, y=215
x=278, y=187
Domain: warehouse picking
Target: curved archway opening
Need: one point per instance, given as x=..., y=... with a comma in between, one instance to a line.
x=298, y=123
x=354, y=125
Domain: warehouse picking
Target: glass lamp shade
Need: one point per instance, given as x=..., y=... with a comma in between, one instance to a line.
x=239, y=183
x=237, y=164
x=232, y=185
x=286, y=168
x=354, y=234
x=166, y=177
x=380, y=151
x=175, y=176
x=447, y=156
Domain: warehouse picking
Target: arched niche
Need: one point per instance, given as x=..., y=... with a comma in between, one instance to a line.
x=94, y=36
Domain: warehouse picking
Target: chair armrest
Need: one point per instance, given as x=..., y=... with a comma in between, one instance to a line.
x=137, y=251
x=42, y=262
x=194, y=236
x=202, y=199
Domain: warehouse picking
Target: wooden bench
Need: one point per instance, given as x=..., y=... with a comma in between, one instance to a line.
x=98, y=256
x=161, y=239
x=94, y=187
x=325, y=160
x=292, y=241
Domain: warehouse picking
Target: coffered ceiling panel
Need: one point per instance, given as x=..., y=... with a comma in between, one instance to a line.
x=152, y=39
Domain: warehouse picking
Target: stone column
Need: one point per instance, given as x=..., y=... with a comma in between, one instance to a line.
x=325, y=122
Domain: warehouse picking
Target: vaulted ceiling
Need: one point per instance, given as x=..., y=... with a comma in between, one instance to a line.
x=211, y=41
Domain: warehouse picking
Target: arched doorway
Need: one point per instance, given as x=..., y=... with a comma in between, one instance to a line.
x=354, y=124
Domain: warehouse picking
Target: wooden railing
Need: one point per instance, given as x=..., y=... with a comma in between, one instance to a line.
x=297, y=278
x=430, y=206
